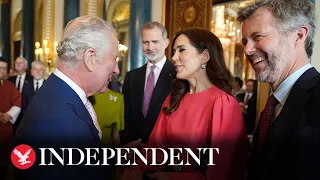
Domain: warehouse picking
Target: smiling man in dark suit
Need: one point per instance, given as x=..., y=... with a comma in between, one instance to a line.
x=278, y=36
x=146, y=88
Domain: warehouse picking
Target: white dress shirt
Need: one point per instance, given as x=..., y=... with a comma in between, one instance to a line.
x=283, y=90
x=80, y=93
x=23, y=77
x=157, y=70
x=40, y=82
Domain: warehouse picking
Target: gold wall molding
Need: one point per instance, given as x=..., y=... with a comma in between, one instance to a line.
x=4, y=1
x=183, y=14
x=48, y=20
x=94, y=7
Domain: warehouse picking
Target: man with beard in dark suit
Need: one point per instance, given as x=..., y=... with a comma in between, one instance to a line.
x=146, y=88
x=278, y=37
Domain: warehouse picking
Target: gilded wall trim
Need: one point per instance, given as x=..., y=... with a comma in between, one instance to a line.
x=4, y=1
x=48, y=20
x=94, y=7
x=183, y=14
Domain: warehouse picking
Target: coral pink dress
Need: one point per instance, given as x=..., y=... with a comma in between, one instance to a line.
x=210, y=118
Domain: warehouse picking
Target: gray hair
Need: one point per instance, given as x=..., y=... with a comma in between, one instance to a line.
x=25, y=61
x=81, y=34
x=154, y=24
x=34, y=63
x=290, y=15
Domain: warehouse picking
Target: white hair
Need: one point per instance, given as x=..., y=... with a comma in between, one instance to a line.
x=34, y=63
x=25, y=61
x=81, y=34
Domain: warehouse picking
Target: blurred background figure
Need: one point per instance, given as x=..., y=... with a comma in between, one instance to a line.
x=22, y=77
x=248, y=104
x=237, y=86
x=10, y=107
x=38, y=71
x=109, y=107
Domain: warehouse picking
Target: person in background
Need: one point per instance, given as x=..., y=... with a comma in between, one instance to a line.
x=22, y=77
x=248, y=104
x=10, y=107
x=38, y=71
x=237, y=87
x=278, y=37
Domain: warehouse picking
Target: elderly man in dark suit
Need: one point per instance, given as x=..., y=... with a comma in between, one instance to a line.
x=146, y=88
x=60, y=115
x=38, y=70
x=278, y=36
x=22, y=77
x=20, y=80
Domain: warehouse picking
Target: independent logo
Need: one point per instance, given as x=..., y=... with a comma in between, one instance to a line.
x=23, y=156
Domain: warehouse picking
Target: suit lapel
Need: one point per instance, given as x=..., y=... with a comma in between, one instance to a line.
x=75, y=103
x=297, y=99
x=163, y=80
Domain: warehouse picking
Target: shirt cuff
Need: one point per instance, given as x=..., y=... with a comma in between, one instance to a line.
x=14, y=113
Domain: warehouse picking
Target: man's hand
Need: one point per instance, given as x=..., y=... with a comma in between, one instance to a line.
x=4, y=118
x=158, y=176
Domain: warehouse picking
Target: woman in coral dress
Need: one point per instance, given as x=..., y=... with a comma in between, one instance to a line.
x=199, y=113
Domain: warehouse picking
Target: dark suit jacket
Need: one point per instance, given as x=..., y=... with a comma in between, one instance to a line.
x=56, y=117
x=251, y=112
x=27, y=80
x=292, y=145
x=136, y=126
x=27, y=94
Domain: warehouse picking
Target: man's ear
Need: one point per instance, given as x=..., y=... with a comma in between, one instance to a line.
x=301, y=35
x=89, y=58
x=204, y=56
x=167, y=41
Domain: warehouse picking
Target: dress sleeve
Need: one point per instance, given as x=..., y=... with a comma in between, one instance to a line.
x=229, y=135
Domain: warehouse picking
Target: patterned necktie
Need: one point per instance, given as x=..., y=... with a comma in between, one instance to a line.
x=93, y=116
x=18, y=86
x=266, y=116
x=148, y=92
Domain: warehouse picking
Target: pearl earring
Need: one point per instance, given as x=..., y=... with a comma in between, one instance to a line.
x=203, y=66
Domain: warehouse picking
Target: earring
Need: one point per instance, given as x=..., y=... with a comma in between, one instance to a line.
x=203, y=66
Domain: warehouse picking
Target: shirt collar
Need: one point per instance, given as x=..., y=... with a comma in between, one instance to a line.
x=159, y=64
x=39, y=81
x=72, y=84
x=22, y=75
x=282, y=92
